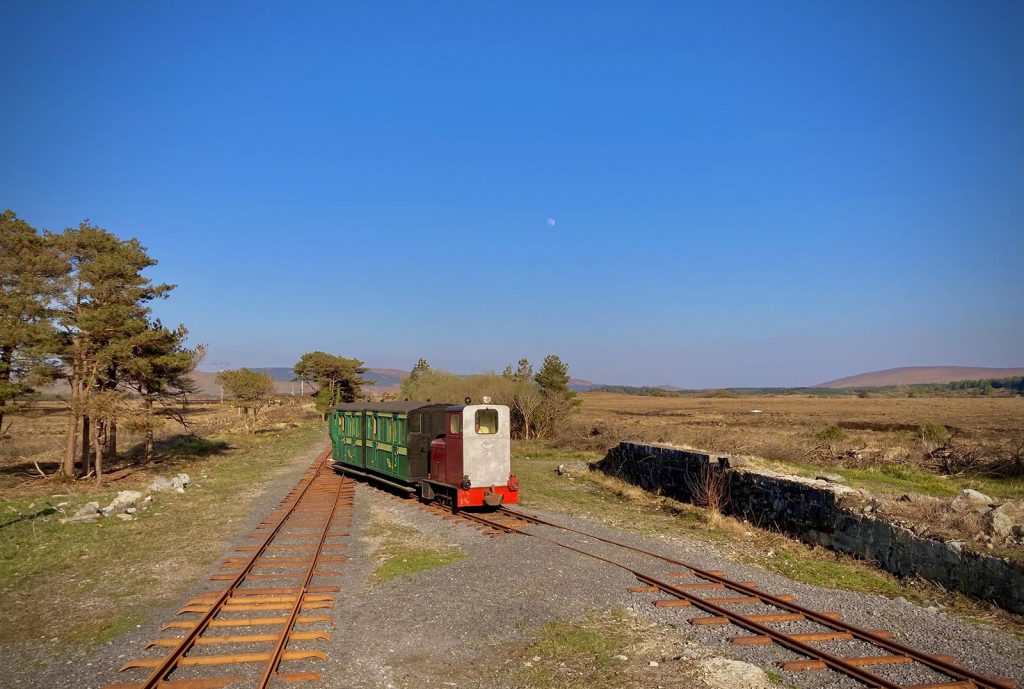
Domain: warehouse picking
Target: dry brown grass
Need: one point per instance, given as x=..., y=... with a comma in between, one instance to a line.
x=35, y=441
x=874, y=431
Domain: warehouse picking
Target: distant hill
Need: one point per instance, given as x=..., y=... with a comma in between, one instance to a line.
x=920, y=375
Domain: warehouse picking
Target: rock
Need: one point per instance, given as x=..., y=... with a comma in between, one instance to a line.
x=571, y=467
x=968, y=498
x=126, y=498
x=723, y=672
x=125, y=517
x=179, y=482
x=89, y=509
x=159, y=484
x=129, y=510
x=620, y=657
x=1002, y=520
x=1018, y=532
x=653, y=663
x=906, y=497
x=831, y=478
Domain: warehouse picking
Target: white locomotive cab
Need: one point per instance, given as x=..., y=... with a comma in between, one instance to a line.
x=486, y=444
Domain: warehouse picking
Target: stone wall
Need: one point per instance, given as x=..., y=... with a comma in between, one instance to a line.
x=820, y=512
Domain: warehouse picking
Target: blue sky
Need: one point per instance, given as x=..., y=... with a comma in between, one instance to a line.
x=763, y=193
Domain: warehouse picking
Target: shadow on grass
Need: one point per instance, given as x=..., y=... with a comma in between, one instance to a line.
x=177, y=449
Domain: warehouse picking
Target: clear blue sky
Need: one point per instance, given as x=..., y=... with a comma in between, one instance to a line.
x=743, y=193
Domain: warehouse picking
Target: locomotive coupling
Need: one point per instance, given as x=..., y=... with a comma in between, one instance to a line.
x=492, y=499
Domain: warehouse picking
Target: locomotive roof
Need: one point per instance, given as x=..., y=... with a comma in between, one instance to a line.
x=399, y=407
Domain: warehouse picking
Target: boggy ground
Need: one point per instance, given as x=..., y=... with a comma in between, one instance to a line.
x=876, y=442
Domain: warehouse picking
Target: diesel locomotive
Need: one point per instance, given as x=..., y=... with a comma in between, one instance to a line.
x=457, y=455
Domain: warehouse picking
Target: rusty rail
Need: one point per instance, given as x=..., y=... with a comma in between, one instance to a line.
x=320, y=497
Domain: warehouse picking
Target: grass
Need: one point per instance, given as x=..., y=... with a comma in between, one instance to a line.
x=588, y=653
x=612, y=501
x=402, y=551
x=894, y=479
x=86, y=583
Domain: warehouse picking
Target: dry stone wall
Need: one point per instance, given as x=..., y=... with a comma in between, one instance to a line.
x=821, y=512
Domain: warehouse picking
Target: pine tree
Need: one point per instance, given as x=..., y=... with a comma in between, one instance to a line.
x=158, y=373
x=103, y=308
x=340, y=377
x=29, y=280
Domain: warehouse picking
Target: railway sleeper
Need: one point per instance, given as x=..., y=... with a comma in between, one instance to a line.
x=225, y=659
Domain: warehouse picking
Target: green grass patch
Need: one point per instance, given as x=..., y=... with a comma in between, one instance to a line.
x=829, y=571
x=604, y=650
x=403, y=563
x=402, y=551
x=86, y=583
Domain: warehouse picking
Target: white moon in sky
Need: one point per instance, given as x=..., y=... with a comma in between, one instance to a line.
x=551, y=222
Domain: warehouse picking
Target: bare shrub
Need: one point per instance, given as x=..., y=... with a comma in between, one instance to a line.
x=709, y=488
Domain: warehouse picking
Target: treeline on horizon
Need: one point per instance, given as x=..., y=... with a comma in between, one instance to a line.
x=984, y=387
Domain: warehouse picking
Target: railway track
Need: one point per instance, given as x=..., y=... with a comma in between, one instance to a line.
x=262, y=615
x=727, y=602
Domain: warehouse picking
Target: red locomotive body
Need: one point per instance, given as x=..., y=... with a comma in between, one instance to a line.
x=469, y=466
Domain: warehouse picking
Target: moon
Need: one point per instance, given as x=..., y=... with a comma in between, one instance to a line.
x=552, y=222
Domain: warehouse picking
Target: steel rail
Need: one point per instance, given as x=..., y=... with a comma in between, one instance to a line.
x=783, y=639
x=282, y=640
x=170, y=661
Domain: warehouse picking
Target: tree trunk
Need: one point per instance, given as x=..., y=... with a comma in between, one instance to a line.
x=111, y=449
x=67, y=467
x=86, y=456
x=149, y=430
x=98, y=451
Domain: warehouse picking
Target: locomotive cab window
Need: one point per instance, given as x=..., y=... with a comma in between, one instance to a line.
x=486, y=421
x=455, y=424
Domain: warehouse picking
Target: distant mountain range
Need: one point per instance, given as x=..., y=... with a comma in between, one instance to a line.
x=920, y=375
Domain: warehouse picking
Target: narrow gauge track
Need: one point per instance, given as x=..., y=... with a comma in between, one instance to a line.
x=293, y=548
x=700, y=590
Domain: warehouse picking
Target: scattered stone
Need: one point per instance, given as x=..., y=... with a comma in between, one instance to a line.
x=570, y=467
x=179, y=482
x=967, y=498
x=125, y=517
x=620, y=657
x=722, y=672
x=89, y=509
x=906, y=497
x=831, y=478
x=126, y=498
x=89, y=512
x=536, y=659
x=159, y=484
x=129, y=510
x=1001, y=520
x=653, y=663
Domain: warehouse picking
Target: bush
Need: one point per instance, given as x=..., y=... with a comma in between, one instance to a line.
x=933, y=435
x=832, y=434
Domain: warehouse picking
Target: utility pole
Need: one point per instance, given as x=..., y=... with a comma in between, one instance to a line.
x=221, y=365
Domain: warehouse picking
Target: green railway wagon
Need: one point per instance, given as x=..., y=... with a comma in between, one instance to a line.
x=385, y=441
